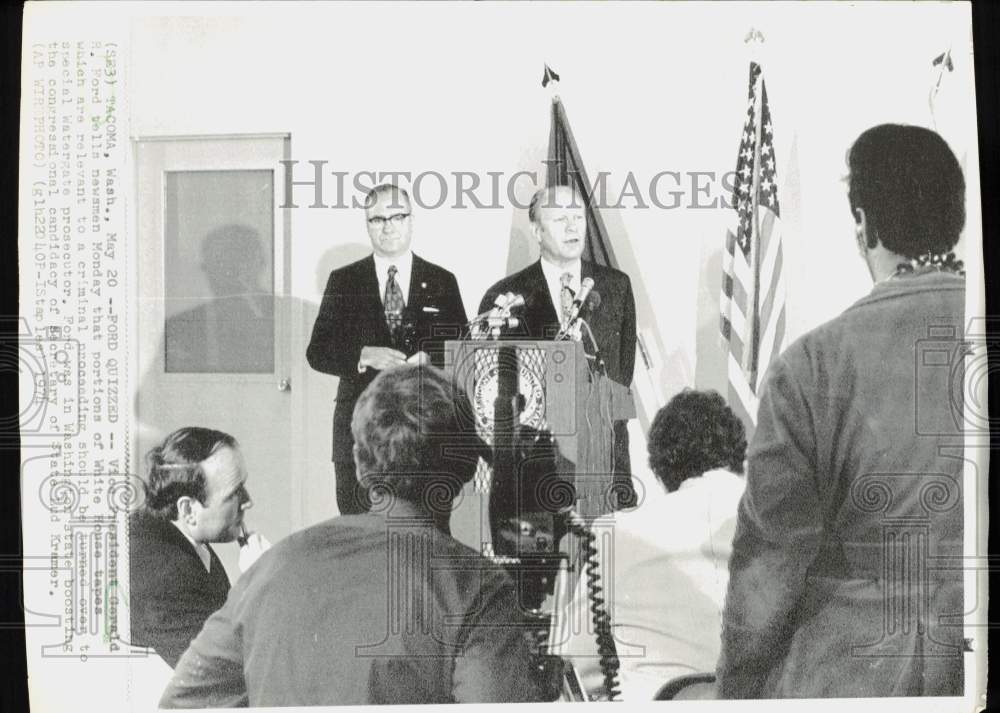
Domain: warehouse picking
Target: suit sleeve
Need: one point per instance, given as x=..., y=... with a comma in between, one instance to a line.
x=456, y=309
x=210, y=673
x=450, y=322
x=778, y=534
x=488, y=299
x=628, y=336
x=334, y=348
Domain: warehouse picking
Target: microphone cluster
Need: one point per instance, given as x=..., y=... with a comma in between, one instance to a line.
x=497, y=317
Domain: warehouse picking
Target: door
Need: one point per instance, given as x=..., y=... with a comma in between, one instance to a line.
x=213, y=325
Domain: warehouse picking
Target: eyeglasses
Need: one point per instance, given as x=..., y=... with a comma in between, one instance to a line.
x=396, y=220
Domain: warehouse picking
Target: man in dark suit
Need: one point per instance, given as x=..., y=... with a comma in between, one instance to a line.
x=195, y=495
x=382, y=311
x=559, y=223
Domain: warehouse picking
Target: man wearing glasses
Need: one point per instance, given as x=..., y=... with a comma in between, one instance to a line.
x=387, y=309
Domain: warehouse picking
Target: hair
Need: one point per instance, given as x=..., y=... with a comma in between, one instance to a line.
x=404, y=425
x=174, y=468
x=546, y=192
x=373, y=193
x=911, y=188
x=694, y=433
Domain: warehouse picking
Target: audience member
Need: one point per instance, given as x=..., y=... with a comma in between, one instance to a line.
x=839, y=580
x=375, y=608
x=667, y=559
x=195, y=495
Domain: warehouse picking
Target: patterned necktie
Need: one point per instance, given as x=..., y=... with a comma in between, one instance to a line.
x=566, y=298
x=393, y=302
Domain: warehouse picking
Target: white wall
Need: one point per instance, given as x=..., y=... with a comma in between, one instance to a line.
x=648, y=88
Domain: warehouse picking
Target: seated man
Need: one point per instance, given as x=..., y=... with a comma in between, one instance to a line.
x=195, y=495
x=667, y=563
x=380, y=607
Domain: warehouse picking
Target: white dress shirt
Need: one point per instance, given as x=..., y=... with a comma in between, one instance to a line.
x=553, y=278
x=664, y=570
x=199, y=547
x=404, y=266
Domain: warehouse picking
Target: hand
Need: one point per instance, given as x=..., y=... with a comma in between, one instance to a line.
x=249, y=553
x=380, y=357
x=420, y=359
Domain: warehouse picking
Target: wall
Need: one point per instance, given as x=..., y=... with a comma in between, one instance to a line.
x=648, y=88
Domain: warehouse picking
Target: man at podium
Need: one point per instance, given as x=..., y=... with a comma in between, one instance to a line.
x=561, y=286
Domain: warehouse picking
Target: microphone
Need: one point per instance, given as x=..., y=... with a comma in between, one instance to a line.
x=581, y=298
x=497, y=316
x=594, y=300
x=515, y=301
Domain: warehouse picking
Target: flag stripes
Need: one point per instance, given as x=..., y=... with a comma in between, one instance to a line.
x=752, y=299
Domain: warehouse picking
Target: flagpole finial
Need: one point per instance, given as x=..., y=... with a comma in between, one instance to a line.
x=754, y=37
x=754, y=42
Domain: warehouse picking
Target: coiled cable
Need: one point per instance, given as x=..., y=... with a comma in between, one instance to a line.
x=606, y=650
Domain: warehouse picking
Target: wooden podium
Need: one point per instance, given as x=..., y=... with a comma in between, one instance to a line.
x=516, y=387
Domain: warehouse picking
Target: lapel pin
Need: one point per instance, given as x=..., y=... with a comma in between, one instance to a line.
x=423, y=285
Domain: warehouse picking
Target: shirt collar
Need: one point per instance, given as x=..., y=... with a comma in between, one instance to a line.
x=554, y=273
x=403, y=263
x=203, y=554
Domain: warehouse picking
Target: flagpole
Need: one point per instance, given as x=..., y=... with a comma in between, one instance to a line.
x=944, y=64
x=755, y=40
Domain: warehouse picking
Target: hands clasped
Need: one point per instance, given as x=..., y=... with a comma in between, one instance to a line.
x=386, y=357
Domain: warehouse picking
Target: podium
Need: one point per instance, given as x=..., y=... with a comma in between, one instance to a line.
x=520, y=386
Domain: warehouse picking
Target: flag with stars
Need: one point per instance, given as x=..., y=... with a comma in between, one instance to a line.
x=753, y=287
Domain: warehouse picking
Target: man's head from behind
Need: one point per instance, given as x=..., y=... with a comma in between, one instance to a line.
x=407, y=430
x=196, y=478
x=694, y=433
x=907, y=191
x=559, y=223
x=390, y=225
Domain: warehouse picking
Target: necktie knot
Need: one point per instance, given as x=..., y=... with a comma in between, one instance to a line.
x=392, y=271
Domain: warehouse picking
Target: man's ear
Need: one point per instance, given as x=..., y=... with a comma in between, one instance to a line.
x=863, y=231
x=186, y=511
x=536, y=231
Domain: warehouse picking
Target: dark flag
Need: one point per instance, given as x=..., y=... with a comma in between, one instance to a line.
x=549, y=76
x=564, y=168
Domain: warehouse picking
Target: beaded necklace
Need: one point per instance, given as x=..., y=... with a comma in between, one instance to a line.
x=931, y=261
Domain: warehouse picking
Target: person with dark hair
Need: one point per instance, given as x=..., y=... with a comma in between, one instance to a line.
x=839, y=580
x=384, y=310
x=380, y=607
x=667, y=559
x=195, y=494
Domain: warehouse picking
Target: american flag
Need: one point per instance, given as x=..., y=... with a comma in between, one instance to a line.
x=753, y=287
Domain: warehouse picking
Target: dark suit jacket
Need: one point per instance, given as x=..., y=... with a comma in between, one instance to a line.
x=352, y=316
x=171, y=595
x=613, y=321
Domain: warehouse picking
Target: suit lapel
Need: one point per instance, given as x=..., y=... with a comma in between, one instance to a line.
x=418, y=277
x=544, y=311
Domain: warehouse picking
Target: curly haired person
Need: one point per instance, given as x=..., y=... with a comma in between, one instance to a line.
x=665, y=560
